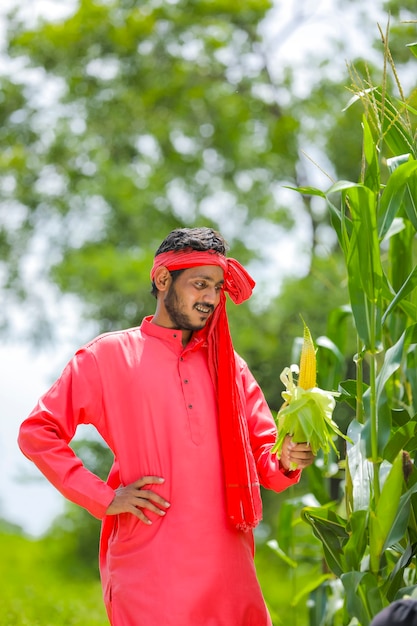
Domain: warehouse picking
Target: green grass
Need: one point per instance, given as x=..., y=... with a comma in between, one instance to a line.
x=36, y=594
x=37, y=589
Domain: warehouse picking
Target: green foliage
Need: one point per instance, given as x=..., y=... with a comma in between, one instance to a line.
x=289, y=566
x=369, y=539
x=34, y=593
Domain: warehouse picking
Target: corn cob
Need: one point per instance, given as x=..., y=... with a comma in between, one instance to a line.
x=308, y=364
x=306, y=414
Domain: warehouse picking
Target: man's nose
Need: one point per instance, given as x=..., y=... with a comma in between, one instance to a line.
x=210, y=295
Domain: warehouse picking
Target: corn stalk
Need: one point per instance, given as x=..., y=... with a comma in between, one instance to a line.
x=370, y=543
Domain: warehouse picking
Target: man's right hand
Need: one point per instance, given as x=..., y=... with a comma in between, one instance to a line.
x=134, y=498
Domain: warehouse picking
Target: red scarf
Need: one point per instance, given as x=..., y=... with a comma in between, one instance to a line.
x=244, y=505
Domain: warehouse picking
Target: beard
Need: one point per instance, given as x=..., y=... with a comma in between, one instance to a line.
x=178, y=317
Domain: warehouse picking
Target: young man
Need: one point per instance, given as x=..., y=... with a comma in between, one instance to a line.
x=191, y=434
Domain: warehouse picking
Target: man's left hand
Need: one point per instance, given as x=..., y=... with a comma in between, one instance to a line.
x=298, y=454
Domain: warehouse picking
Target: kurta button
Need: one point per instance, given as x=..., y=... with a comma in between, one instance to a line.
x=181, y=358
x=186, y=381
x=175, y=336
x=190, y=406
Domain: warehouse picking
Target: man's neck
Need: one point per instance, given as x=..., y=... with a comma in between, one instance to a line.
x=185, y=334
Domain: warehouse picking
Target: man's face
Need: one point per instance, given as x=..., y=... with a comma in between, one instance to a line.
x=193, y=297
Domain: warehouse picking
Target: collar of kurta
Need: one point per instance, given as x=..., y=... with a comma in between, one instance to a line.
x=243, y=498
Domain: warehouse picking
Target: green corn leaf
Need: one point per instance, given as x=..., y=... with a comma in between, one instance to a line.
x=372, y=174
x=394, y=357
x=399, y=440
x=365, y=244
x=309, y=588
x=359, y=469
x=362, y=306
x=412, y=47
x=382, y=519
x=400, y=519
x=357, y=528
x=331, y=530
x=274, y=546
x=363, y=595
x=407, y=288
x=392, y=198
x=396, y=577
x=361, y=246
x=307, y=191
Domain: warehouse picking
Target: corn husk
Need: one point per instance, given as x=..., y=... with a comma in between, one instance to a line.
x=306, y=414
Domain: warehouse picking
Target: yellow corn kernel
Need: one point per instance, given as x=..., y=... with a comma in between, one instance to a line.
x=308, y=367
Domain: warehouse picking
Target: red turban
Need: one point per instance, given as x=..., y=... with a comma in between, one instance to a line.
x=244, y=505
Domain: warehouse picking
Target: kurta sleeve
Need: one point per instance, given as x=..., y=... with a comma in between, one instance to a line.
x=74, y=399
x=262, y=434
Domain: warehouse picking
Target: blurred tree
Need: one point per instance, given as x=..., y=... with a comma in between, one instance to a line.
x=160, y=122
x=124, y=120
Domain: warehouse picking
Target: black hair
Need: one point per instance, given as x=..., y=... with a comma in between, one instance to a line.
x=201, y=239
x=401, y=612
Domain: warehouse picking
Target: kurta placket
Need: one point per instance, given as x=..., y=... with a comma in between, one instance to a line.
x=154, y=403
x=191, y=400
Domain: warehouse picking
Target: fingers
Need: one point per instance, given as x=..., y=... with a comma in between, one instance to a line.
x=147, y=480
x=135, y=499
x=296, y=454
x=147, y=499
x=301, y=459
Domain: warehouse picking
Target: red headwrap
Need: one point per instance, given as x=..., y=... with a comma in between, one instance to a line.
x=244, y=505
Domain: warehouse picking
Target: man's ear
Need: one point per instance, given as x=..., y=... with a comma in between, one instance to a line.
x=162, y=278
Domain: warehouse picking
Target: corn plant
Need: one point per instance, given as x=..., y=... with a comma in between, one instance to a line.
x=370, y=539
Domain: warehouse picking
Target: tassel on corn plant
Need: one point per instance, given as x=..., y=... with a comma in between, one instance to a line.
x=306, y=414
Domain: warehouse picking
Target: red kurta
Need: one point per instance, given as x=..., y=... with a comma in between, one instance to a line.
x=153, y=402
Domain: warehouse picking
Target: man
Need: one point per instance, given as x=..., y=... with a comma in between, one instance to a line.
x=191, y=434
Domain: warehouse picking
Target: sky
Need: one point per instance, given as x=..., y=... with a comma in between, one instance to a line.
x=25, y=498
x=25, y=373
